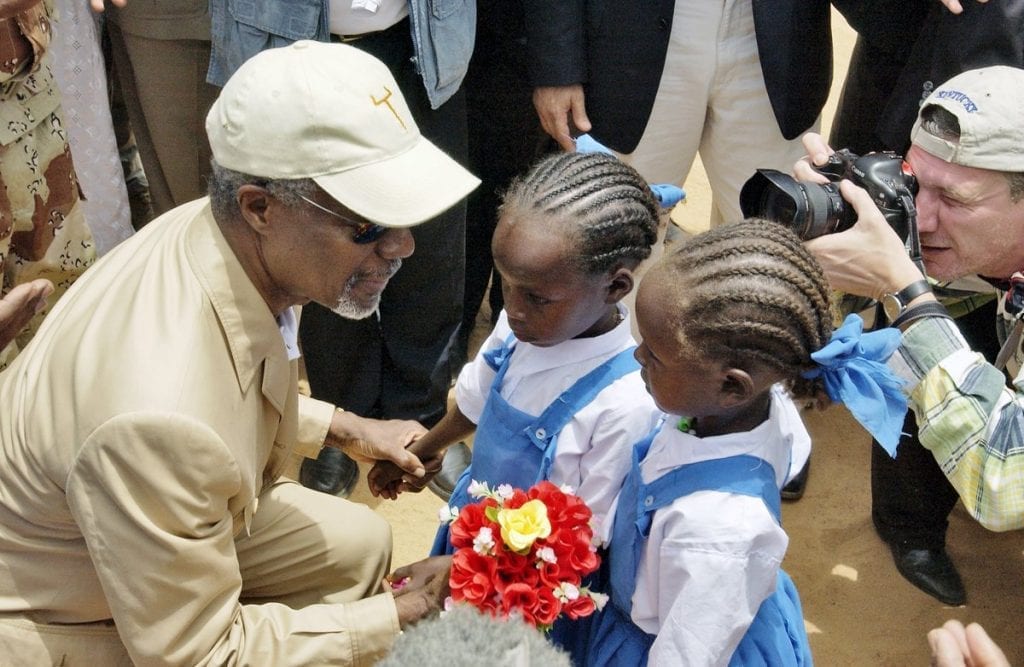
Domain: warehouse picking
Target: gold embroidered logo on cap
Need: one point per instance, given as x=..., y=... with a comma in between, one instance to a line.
x=386, y=100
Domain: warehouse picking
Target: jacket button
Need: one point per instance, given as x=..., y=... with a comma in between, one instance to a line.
x=648, y=501
x=541, y=434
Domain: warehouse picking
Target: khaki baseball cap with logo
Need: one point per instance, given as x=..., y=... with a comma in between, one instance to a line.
x=989, y=105
x=333, y=113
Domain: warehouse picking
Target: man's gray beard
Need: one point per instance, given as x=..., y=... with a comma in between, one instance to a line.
x=353, y=309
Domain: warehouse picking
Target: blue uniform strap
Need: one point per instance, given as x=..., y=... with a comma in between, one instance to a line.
x=545, y=429
x=579, y=395
x=742, y=474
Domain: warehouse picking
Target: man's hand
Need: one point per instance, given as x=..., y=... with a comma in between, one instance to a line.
x=558, y=107
x=421, y=588
x=372, y=440
x=868, y=259
x=955, y=646
x=387, y=480
x=19, y=305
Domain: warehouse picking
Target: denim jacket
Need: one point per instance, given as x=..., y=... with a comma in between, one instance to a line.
x=443, y=32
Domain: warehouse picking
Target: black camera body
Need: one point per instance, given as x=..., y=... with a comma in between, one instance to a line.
x=814, y=209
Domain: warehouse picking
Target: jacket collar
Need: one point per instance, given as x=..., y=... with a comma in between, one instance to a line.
x=250, y=329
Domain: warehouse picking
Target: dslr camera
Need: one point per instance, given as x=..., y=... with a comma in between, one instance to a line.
x=815, y=209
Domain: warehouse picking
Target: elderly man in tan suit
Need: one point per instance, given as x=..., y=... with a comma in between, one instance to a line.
x=144, y=429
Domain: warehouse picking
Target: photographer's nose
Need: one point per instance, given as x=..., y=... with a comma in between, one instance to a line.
x=927, y=203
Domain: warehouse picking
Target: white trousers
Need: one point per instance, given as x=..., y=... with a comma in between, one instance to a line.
x=712, y=99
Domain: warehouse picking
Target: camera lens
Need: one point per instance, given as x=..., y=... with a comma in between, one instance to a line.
x=809, y=209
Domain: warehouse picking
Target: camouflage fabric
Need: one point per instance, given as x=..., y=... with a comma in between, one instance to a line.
x=43, y=233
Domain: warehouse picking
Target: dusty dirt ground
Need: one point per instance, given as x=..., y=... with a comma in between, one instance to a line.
x=858, y=609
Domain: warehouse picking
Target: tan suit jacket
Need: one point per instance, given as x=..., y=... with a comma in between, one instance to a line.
x=139, y=428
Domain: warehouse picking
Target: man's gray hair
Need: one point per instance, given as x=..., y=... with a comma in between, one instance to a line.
x=940, y=123
x=224, y=184
x=464, y=637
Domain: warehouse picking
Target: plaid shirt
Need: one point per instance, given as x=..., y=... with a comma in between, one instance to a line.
x=969, y=419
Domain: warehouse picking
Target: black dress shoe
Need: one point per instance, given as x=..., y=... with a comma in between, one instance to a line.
x=332, y=472
x=932, y=571
x=456, y=459
x=794, y=488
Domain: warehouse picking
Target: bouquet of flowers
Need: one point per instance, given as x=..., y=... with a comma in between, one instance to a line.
x=525, y=553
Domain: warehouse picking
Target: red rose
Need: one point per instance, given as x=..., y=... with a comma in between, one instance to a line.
x=520, y=598
x=580, y=607
x=469, y=522
x=517, y=499
x=547, y=608
x=472, y=578
x=582, y=557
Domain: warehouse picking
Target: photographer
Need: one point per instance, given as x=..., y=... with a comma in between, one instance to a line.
x=968, y=157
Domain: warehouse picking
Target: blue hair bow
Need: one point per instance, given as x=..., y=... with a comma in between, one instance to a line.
x=853, y=367
x=668, y=195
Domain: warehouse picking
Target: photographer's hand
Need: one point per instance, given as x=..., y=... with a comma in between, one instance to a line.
x=868, y=259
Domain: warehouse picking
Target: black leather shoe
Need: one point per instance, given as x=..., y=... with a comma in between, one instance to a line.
x=456, y=459
x=332, y=472
x=932, y=571
x=794, y=488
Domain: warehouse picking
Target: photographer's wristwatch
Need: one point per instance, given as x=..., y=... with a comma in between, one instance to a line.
x=894, y=303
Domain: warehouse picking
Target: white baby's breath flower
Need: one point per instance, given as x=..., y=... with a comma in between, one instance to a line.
x=478, y=489
x=547, y=555
x=504, y=491
x=447, y=514
x=483, y=543
x=568, y=490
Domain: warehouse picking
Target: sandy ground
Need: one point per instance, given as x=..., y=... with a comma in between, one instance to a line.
x=858, y=609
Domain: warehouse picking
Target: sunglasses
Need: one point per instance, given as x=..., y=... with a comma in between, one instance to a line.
x=365, y=232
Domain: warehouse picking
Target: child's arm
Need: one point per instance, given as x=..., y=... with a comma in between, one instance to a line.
x=388, y=480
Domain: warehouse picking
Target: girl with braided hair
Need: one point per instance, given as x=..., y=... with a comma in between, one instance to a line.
x=731, y=322
x=555, y=392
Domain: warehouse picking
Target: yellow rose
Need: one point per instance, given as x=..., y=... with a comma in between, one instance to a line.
x=520, y=528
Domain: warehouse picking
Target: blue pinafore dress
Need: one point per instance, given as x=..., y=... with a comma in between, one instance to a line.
x=513, y=447
x=776, y=636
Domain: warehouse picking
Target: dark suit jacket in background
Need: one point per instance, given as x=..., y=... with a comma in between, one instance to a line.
x=617, y=50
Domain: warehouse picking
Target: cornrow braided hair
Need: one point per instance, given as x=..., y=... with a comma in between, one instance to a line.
x=604, y=204
x=750, y=293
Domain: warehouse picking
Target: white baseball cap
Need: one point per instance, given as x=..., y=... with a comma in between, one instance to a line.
x=333, y=113
x=989, y=105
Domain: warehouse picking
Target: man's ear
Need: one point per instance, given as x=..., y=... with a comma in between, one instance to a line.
x=737, y=388
x=620, y=283
x=253, y=203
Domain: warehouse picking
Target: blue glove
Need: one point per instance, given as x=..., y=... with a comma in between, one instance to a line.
x=668, y=195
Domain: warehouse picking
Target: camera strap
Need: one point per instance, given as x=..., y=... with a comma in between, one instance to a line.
x=913, y=242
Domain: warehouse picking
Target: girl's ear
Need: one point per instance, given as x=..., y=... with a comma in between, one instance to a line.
x=620, y=283
x=737, y=388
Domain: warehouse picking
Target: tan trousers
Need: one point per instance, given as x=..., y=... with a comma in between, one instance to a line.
x=303, y=547
x=167, y=97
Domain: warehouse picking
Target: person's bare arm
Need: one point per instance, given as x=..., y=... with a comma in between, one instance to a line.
x=19, y=305
x=387, y=479
x=372, y=440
